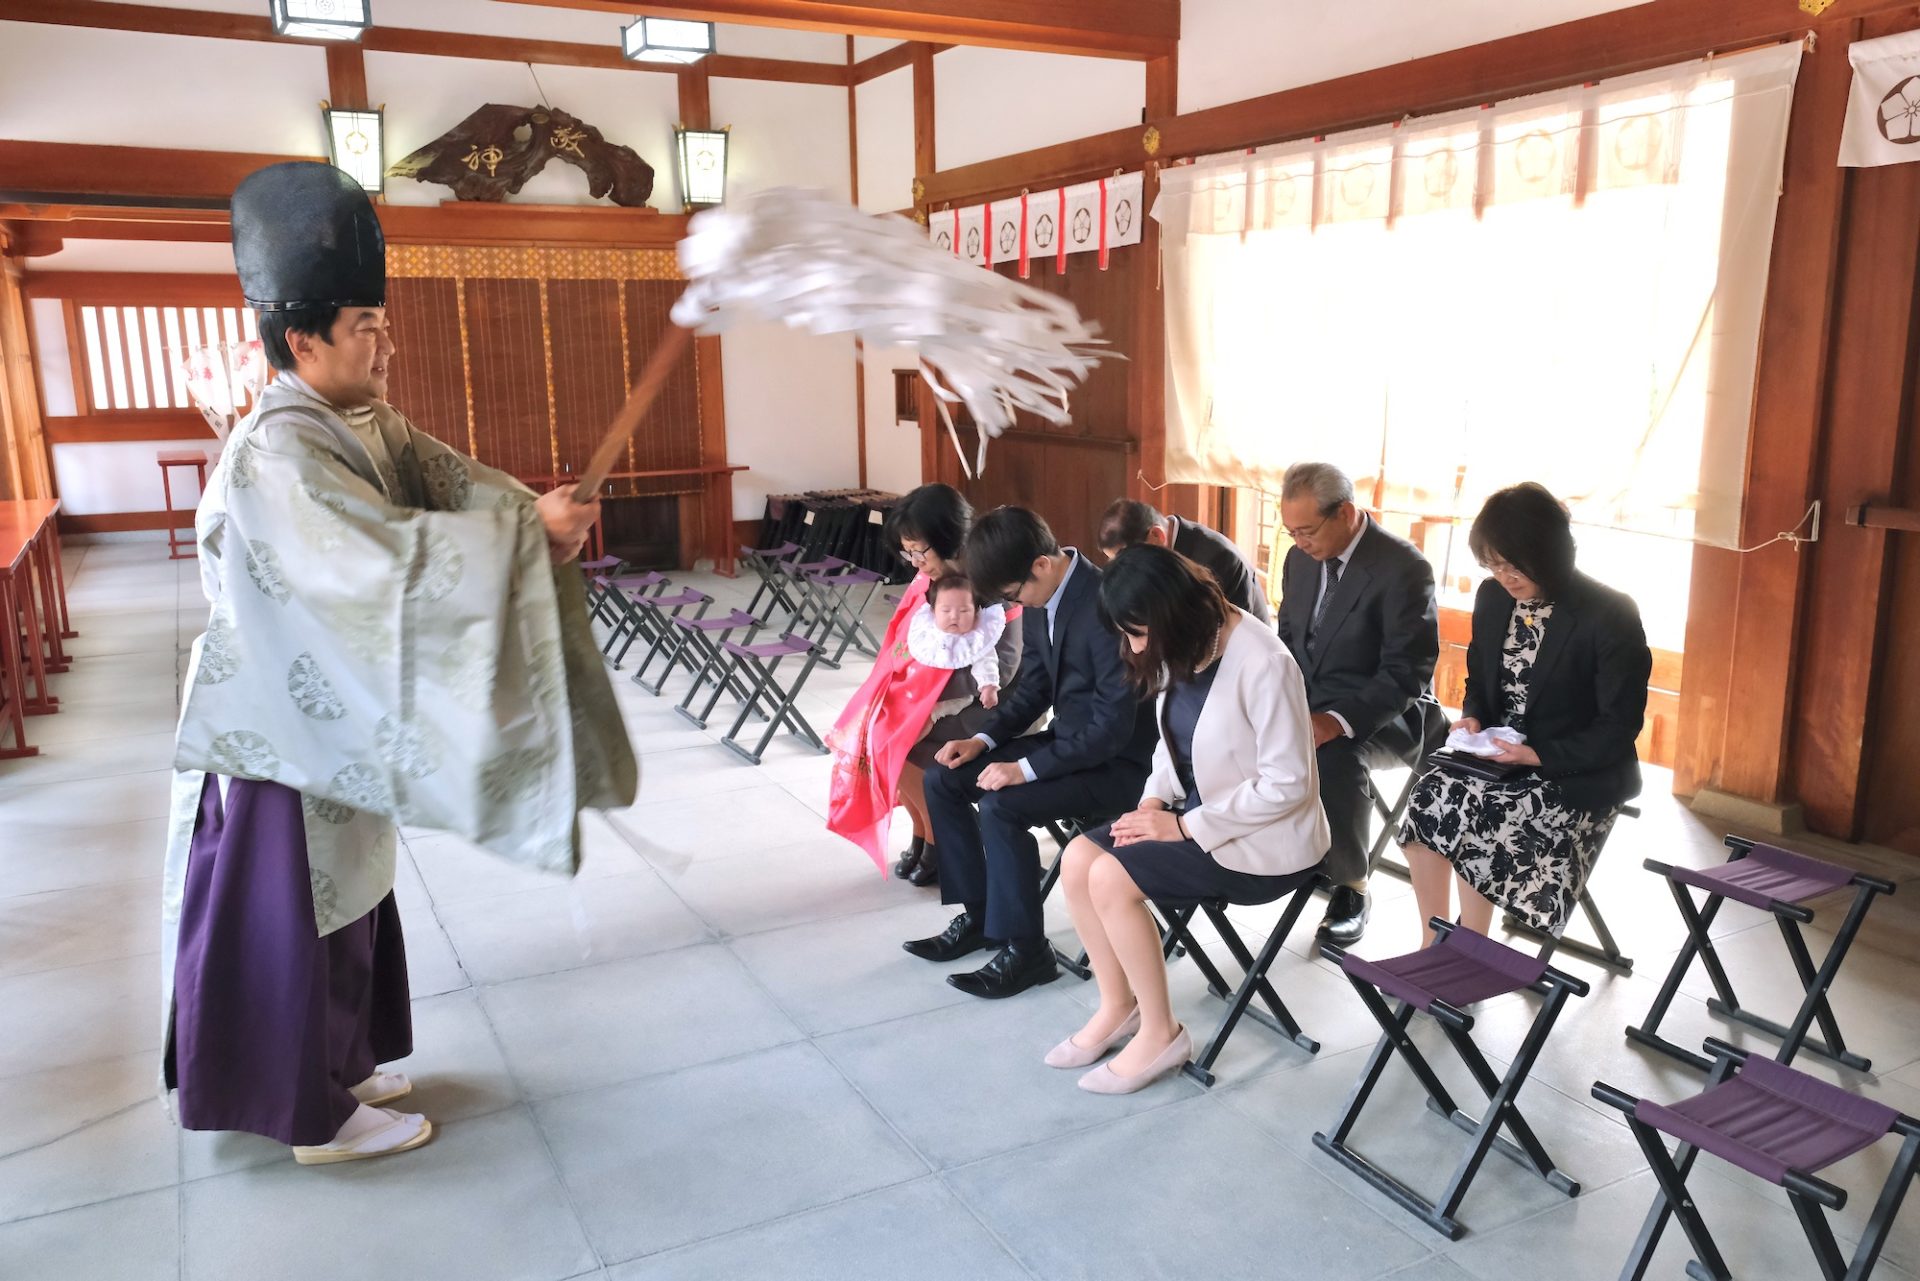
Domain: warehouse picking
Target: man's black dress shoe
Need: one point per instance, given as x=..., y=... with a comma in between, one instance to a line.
x=1012, y=971
x=961, y=937
x=1346, y=918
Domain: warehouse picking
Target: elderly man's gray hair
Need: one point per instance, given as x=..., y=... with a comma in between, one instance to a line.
x=1328, y=485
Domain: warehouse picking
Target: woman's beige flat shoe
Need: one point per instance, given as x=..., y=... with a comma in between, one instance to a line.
x=1069, y=1055
x=1104, y=1080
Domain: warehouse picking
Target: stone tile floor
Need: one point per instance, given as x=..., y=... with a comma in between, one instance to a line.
x=708, y=1057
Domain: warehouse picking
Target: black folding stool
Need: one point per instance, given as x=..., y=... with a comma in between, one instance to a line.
x=1458, y=969
x=1605, y=952
x=1433, y=719
x=707, y=637
x=1777, y=881
x=763, y=661
x=630, y=622
x=840, y=602
x=1178, y=936
x=599, y=608
x=797, y=577
x=657, y=611
x=1781, y=1125
x=764, y=562
x=1063, y=831
x=686, y=644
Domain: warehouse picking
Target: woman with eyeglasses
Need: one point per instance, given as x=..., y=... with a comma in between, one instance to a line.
x=880, y=753
x=1562, y=662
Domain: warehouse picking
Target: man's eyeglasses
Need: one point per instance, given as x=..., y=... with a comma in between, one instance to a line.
x=1011, y=595
x=1301, y=533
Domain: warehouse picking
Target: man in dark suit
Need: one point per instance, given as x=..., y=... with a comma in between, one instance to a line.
x=1092, y=760
x=1357, y=610
x=1128, y=523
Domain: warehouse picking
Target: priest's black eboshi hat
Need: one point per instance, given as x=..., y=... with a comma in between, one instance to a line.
x=305, y=235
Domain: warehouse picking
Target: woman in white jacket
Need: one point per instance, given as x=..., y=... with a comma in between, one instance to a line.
x=1231, y=810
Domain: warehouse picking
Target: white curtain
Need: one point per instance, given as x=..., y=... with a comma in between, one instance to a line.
x=1564, y=288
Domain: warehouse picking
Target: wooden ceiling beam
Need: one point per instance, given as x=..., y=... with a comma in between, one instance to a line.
x=108, y=15
x=159, y=174
x=1139, y=29
x=893, y=59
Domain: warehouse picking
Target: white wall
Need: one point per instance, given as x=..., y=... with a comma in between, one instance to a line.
x=993, y=102
x=790, y=395
x=893, y=448
x=72, y=84
x=884, y=108
x=1234, y=49
x=136, y=255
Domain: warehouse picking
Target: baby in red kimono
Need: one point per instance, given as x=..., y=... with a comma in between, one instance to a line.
x=952, y=630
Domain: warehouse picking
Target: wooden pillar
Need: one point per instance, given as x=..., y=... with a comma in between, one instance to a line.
x=711, y=534
x=1739, y=671
x=1147, y=372
x=1847, y=601
x=924, y=165
x=853, y=193
x=347, y=76
x=25, y=468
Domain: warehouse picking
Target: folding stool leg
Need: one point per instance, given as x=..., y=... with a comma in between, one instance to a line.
x=762, y=674
x=1813, y=1222
x=1377, y=860
x=1674, y=1200
x=1867, y=1254
x=675, y=654
x=1180, y=934
x=783, y=709
x=1815, y=1005
x=1393, y=1025
x=1525, y=1147
x=1699, y=943
x=1281, y=1019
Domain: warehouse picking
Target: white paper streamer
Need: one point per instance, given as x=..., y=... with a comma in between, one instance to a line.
x=811, y=261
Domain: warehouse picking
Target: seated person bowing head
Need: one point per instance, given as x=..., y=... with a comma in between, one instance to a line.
x=1231, y=809
x=1090, y=761
x=1560, y=663
x=1130, y=522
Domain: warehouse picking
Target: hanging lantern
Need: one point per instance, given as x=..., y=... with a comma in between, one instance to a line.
x=703, y=164
x=322, y=19
x=666, y=40
x=355, y=144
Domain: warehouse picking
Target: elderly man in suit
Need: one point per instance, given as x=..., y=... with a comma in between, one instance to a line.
x=1129, y=523
x=1092, y=761
x=1357, y=610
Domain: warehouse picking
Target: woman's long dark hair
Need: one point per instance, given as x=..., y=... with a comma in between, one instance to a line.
x=1174, y=601
x=937, y=515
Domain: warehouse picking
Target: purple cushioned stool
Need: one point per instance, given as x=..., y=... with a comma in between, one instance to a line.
x=628, y=622
x=840, y=597
x=1781, y=1125
x=659, y=612
x=1460, y=968
x=706, y=637
x=1777, y=881
x=762, y=660
x=765, y=562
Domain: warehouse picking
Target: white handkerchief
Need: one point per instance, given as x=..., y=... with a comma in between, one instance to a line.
x=1485, y=743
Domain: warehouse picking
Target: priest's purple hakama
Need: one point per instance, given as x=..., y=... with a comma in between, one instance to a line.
x=272, y=1025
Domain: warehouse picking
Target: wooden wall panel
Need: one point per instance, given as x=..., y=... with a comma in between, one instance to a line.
x=672, y=433
x=513, y=423
x=589, y=365
x=427, y=381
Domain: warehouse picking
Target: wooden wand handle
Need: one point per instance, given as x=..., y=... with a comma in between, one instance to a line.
x=652, y=380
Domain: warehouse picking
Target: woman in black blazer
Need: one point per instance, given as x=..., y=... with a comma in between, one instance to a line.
x=1563, y=660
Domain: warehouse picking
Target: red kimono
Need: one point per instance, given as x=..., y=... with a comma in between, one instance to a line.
x=881, y=723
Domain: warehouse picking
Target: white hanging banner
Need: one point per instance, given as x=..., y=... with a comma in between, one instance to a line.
x=1883, y=107
x=1124, y=214
x=973, y=235
x=1056, y=222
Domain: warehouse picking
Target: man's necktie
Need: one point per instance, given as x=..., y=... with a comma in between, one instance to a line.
x=1320, y=610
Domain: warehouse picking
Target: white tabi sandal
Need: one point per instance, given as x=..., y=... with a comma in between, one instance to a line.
x=397, y=1133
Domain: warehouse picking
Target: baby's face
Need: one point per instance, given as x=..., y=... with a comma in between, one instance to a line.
x=954, y=612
